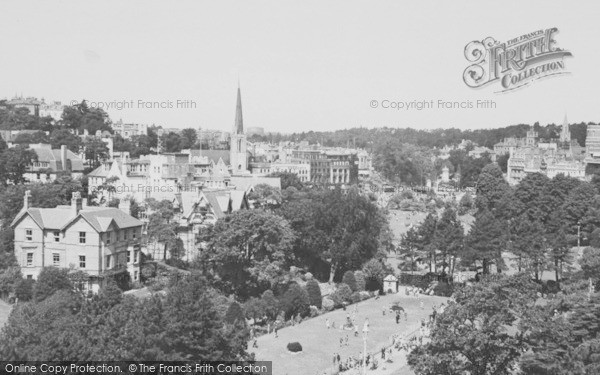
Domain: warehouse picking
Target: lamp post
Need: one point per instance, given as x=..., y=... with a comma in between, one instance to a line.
x=365, y=332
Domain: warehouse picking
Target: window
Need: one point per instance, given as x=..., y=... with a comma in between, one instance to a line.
x=135, y=275
x=29, y=259
x=135, y=256
x=134, y=234
x=108, y=261
x=56, y=259
x=28, y=234
x=108, y=238
x=82, y=261
x=29, y=277
x=128, y=256
x=81, y=237
x=124, y=232
x=56, y=236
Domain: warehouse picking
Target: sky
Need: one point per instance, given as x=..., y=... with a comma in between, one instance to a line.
x=302, y=65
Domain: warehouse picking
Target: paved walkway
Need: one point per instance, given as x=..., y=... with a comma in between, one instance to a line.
x=5, y=310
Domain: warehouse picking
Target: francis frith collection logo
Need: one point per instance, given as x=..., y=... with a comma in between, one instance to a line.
x=515, y=63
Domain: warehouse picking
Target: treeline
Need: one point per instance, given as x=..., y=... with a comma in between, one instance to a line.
x=369, y=138
x=501, y=325
x=188, y=323
x=536, y=223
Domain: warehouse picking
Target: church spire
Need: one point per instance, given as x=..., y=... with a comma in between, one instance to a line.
x=565, y=134
x=238, y=127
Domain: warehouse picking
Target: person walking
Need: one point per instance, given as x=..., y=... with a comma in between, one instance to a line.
x=327, y=324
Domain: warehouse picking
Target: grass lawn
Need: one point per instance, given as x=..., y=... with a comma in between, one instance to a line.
x=5, y=309
x=319, y=344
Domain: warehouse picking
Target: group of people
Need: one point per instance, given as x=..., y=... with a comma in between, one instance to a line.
x=352, y=362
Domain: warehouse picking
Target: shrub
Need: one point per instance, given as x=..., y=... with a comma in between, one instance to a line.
x=342, y=294
x=327, y=304
x=50, y=280
x=361, y=283
x=308, y=276
x=443, y=289
x=355, y=297
x=270, y=304
x=294, y=347
x=295, y=301
x=254, y=308
x=235, y=313
x=314, y=293
x=24, y=289
x=349, y=280
x=314, y=311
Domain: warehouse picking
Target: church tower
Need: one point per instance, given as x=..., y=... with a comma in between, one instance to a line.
x=565, y=133
x=237, y=148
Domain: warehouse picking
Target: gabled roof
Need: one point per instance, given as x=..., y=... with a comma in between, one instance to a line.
x=238, y=199
x=60, y=217
x=212, y=155
x=53, y=157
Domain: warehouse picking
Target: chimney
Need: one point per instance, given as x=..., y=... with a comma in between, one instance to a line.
x=124, y=205
x=63, y=157
x=76, y=203
x=27, y=200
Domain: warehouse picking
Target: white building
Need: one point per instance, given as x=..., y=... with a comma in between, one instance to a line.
x=96, y=240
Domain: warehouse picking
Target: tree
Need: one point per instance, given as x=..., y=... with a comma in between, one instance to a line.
x=485, y=242
x=342, y=295
x=188, y=138
x=425, y=243
x=288, y=179
x=361, y=283
x=96, y=151
x=248, y=250
x=265, y=196
x=31, y=138
x=491, y=188
x=161, y=230
x=590, y=263
x=235, y=313
x=529, y=244
x=473, y=334
x=531, y=198
x=314, y=293
x=349, y=280
x=295, y=301
x=50, y=280
x=255, y=308
x=448, y=239
x=409, y=246
x=374, y=274
x=14, y=162
x=270, y=303
x=9, y=279
x=171, y=142
x=61, y=137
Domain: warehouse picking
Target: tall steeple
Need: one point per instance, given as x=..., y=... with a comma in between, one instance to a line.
x=238, y=127
x=238, y=146
x=565, y=133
